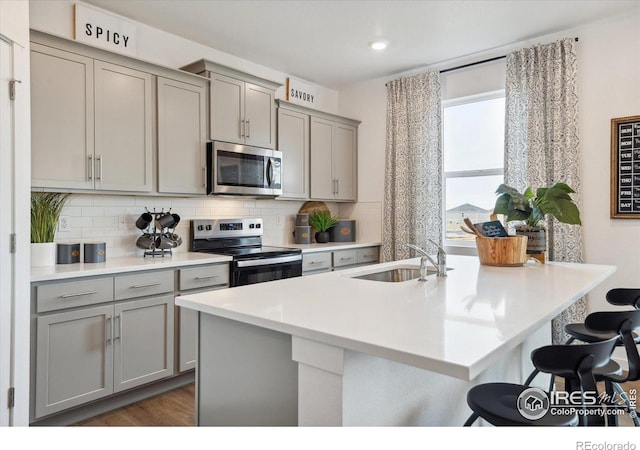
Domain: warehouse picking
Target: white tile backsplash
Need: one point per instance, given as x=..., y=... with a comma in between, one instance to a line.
x=95, y=218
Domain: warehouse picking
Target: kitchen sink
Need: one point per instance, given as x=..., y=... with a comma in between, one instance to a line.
x=397, y=274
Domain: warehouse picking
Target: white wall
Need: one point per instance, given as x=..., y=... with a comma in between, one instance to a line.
x=609, y=86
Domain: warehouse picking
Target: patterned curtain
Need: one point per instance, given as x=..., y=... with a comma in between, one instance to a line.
x=413, y=162
x=542, y=145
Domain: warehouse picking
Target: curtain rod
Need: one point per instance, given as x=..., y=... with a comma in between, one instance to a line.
x=464, y=66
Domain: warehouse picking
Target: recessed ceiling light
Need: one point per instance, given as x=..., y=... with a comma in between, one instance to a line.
x=379, y=44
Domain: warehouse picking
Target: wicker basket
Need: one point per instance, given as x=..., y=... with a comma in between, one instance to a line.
x=502, y=251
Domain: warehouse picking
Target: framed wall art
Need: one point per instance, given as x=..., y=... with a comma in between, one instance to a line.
x=625, y=167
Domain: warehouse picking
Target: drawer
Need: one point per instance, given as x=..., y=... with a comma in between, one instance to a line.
x=50, y=297
x=345, y=258
x=204, y=276
x=143, y=284
x=368, y=255
x=316, y=261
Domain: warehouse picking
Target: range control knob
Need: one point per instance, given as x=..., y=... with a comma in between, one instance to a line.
x=200, y=227
x=208, y=227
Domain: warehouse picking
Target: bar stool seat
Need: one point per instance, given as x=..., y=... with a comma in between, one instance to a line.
x=500, y=403
x=494, y=402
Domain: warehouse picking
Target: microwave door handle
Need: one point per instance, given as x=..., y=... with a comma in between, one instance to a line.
x=270, y=172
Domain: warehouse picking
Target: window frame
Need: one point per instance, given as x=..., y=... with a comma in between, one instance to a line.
x=455, y=246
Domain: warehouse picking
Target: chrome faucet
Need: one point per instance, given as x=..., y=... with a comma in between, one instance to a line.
x=440, y=264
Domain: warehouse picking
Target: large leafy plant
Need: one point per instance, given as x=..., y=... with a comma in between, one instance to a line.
x=322, y=220
x=45, y=212
x=532, y=208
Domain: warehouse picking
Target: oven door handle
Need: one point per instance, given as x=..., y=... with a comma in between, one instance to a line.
x=268, y=261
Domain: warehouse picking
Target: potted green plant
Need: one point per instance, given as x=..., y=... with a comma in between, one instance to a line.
x=533, y=207
x=46, y=208
x=321, y=221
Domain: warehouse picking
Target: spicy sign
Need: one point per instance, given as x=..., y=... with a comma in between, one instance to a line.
x=104, y=30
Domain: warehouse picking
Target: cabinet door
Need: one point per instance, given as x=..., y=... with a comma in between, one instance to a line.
x=293, y=142
x=123, y=117
x=322, y=181
x=74, y=358
x=344, y=161
x=259, y=116
x=226, y=109
x=61, y=119
x=182, y=136
x=142, y=341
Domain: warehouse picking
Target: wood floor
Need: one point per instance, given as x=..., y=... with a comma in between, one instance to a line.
x=173, y=409
x=177, y=408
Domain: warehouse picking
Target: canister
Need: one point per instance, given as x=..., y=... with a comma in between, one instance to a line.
x=302, y=235
x=95, y=252
x=68, y=253
x=302, y=220
x=343, y=231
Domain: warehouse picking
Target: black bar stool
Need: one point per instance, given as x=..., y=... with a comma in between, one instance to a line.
x=622, y=323
x=501, y=404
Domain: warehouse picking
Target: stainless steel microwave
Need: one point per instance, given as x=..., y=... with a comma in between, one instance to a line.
x=236, y=169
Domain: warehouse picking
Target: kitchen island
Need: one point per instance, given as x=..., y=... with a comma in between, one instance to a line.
x=333, y=349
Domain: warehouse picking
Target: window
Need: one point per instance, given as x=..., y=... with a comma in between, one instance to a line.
x=473, y=150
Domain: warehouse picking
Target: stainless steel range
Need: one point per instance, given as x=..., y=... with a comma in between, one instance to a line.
x=242, y=239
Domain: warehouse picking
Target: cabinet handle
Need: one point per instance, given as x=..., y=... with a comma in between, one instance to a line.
x=107, y=329
x=90, y=167
x=99, y=162
x=208, y=277
x=78, y=294
x=368, y=256
x=242, y=128
x=119, y=328
x=204, y=177
x=138, y=286
x=337, y=186
x=346, y=259
x=248, y=128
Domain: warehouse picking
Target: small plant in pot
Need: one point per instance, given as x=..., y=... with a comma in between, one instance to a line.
x=321, y=221
x=46, y=208
x=532, y=208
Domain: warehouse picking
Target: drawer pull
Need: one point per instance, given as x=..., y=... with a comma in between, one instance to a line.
x=78, y=294
x=346, y=259
x=368, y=256
x=207, y=277
x=138, y=286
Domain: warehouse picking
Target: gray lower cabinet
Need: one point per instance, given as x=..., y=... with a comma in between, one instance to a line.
x=194, y=280
x=74, y=358
x=318, y=262
x=86, y=354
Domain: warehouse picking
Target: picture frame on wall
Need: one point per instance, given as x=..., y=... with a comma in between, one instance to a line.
x=625, y=167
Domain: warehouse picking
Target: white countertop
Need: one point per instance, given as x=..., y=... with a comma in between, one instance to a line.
x=123, y=264
x=457, y=326
x=330, y=246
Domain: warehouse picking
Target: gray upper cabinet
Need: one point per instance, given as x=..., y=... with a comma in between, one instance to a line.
x=293, y=142
x=91, y=123
x=61, y=118
x=123, y=128
x=333, y=160
x=182, y=136
x=241, y=106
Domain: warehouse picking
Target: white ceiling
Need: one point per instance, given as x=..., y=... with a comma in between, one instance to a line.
x=326, y=41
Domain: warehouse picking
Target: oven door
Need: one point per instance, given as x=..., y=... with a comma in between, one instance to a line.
x=253, y=271
x=243, y=170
